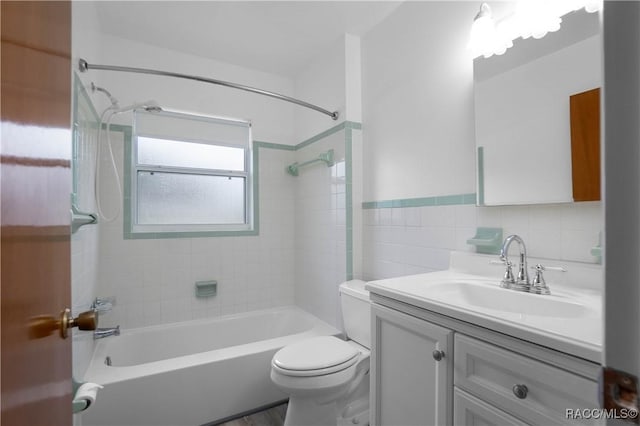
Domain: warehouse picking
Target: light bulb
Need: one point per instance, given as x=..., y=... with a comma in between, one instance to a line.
x=485, y=39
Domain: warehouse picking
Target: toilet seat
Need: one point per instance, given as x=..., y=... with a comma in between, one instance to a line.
x=316, y=356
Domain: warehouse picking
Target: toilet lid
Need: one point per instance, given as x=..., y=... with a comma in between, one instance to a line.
x=316, y=353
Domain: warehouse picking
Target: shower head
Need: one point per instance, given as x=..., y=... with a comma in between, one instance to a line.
x=149, y=106
x=114, y=101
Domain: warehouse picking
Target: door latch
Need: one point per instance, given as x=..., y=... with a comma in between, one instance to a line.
x=620, y=394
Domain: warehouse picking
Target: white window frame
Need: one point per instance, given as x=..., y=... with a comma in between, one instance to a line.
x=247, y=174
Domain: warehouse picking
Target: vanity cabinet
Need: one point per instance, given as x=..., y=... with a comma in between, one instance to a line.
x=411, y=375
x=481, y=378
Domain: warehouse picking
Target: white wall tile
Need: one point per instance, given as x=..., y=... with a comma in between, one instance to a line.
x=320, y=230
x=397, y=217
x=371, y=216
x=489, y=217
x=412, y=216
x=516, y=218
x=437, y=216
x=384, y=217
x=466, y=216
x=462, y=235
x=556, y=232
x=543, y=243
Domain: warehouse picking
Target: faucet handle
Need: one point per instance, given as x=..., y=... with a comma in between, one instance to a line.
x=103, y=305
x=508, y=280
x=550, y=268
x=540, y=267
x=539, y=285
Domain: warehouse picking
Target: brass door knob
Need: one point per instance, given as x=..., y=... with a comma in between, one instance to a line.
x=87, y=320
x=44, y=325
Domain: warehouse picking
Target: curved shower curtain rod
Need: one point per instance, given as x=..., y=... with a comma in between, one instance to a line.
x=85, y=66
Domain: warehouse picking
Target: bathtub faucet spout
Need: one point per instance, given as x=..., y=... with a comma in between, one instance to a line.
x=101, y=333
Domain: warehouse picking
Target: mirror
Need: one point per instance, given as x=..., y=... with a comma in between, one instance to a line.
x=536, y=142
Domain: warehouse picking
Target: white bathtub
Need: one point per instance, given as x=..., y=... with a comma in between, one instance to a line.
x=194, y=372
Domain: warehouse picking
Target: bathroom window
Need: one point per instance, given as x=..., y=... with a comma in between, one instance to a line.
x=190, y=174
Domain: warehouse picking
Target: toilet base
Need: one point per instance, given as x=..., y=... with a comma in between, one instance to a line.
x=355, y=413
x=352, y=411
x=306, y=412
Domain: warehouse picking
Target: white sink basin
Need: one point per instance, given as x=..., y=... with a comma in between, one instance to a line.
x=493, y=297
x=568, y=320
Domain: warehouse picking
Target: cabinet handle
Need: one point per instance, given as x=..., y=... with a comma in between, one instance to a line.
x=520, y=391
x=438, y=355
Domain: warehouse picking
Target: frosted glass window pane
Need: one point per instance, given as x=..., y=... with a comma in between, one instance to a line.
x=174, y=198
x=163, y=152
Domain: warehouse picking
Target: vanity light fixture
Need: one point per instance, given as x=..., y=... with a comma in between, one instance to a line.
x=532, y=18
x=485, y=39
x=536, y=18
x=593, y=6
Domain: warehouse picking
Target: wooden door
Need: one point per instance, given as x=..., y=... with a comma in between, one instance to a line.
x=408, y=386
x=35, y=187
x=584, y=112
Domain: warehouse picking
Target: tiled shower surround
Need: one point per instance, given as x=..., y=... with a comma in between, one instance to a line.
x=327, y=221
x=153, y=279
x=85, y=241
x=410, y=240
x=320, y=228
x=303, y=251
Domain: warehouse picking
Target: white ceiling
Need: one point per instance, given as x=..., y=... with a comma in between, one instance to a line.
x=280, y=37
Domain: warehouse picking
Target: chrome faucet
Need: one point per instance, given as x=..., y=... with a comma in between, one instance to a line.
x=521, y=281
x=101, y=333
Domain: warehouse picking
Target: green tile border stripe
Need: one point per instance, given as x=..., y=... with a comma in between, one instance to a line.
x=480, y=158
x=348, y=158
x=271, y=145
x=329, y=132
x=342, y=126
x=441, y=200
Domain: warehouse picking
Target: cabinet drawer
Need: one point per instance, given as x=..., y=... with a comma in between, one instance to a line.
x=470, y=411
x=491, y=373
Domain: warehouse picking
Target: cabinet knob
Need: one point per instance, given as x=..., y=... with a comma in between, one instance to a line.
x=438, y=355
x=520, y=391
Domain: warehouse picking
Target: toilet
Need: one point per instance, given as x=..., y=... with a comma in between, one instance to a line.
x=327, y=378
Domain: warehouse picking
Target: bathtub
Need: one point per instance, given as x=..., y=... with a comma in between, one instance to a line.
x=194, y=372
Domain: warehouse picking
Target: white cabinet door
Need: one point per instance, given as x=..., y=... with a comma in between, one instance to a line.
x=493, y=374
x=470, y=411
x=409, y=386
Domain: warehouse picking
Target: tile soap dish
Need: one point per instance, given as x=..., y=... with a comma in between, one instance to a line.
x=487, y=240
x=206, y=288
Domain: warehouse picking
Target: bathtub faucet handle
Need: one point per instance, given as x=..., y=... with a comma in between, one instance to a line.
x=102, y=305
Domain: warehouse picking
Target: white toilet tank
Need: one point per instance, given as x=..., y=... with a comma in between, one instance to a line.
x=356, y=311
